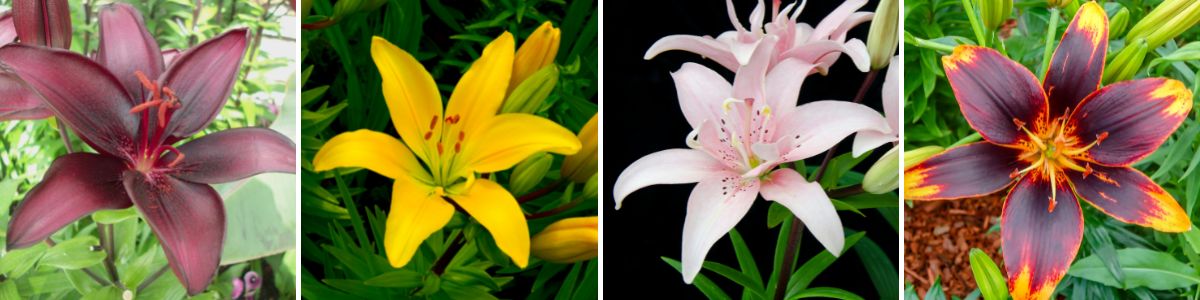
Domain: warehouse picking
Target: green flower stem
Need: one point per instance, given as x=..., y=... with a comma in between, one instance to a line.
x=975, y=24
x=97, y=278
x=1046, y=53
x=439, y=266
x=974, y=137
x=105, y=231
x=556, y=210
x=66, y=137
x=540, y=192
x=150, y=280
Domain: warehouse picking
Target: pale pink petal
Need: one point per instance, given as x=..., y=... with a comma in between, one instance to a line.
x=796, y=13
x=715, y=206
x=857, y=51
x=704, y=46
x=701, y=92
x=866, y=140
x=855, y=19
x=8, y=30
x=814, y=127
x=733, y=16
x=824, y=53
x=808, y=202
x=744, y=51
x=756, y=18
x=748, y=83
x=712, y=141
x=671, y=166
x=784, y=81
x=835, y=19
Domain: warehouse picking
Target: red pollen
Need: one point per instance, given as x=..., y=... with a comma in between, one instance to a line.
x=457, y=147
x=461, y=135
x=428, y=134
x=439, y=148
x=1018, y=122
x=1101, y=136
x=432, y=123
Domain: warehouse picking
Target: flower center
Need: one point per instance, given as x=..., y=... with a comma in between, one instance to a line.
x=1052, y=150
x=447, y=135
x=742, y=127
x=162, y=102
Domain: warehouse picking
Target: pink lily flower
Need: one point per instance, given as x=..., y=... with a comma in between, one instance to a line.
x=820, y=45
x=741, y=133
x=867, y=140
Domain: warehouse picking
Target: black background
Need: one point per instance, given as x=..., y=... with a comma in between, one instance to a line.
x=642, y=116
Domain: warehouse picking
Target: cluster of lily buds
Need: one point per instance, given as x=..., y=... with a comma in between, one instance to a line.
x=1118, y=24
x=1168, y=20
x=568, y=240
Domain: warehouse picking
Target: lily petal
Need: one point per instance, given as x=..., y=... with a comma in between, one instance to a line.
x=412, y=96
x=1128, y=195
x=868, y=140
x=993, y=91
x=8, y=30
x=82, y=93
x=75, y=185
x=127, y=47
x=44, y=23
x=701, y=92
x=375, y=151
x=714, y=207
x=969, y=170
x=1039, y=243
x=824, y=53
x=189, y=221
x=784, y=81
x=480, y=92
x=416, y=213
x=704, y=46
x=835, y=19
x=20, y=103
x=750, y=80
x=496, y=209
x=808, y=202
x=1135, y=116
x=202, y=78
x=210, y=159
x=511, y=138
x=671, y=166
x=1078, y=62
x=816, y=126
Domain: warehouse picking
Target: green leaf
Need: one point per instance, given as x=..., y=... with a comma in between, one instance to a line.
x=826, y=292
x=74, y=254
x=935, y=291
x=469, y=276
x=745, y=258
x=106, y=293
x=113, y=216
x=804, y=276
x=1142, y=267
x=16, y=262
x=987, y=276
x=396, y=279
x=737, y=277
x=706, y=286
x=776, y=214
x=879, y=268
x=260, y=216
x=8, y=290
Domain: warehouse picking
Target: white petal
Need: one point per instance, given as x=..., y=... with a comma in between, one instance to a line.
x=808, y=202
x=671, y=166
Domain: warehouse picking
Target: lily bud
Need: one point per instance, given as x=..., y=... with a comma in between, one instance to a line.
x=1118, y=24
x=1057, y=3
x=537, y=52
x=883, y=39
x=913, y=157
x=532, y=92
x=583, y=164
x=884, y=175
x=1165, y=22
x=1127, y=62
x=995, y=12
x=527, y=174
x=567, y=241
x=43, y=22
x=591, y=190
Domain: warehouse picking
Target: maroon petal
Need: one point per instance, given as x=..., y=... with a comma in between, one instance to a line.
x=169, y=56
x=970, y=170
x=235, y=154
x=1078, y=62
x=1132, y=118
x=8, y=30
x=994, y=93
x=189, y=220
x=1128, y=195
x=17, y=102
x=82, y=93
x=75, y=185
x=43, y=22
x=203, y=77
x=1039, y=239
x=127, y=47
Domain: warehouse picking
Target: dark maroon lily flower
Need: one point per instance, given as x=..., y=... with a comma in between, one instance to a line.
x=132, y=110
x=34, y=22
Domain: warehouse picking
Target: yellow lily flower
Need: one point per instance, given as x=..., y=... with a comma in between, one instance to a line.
x=439, y=153
x=537, y=52
x=583, y=165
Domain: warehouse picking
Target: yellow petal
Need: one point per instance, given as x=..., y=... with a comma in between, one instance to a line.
x=511, y=138
x=568, y=240
x=416, y=213
x=582, y=165
x=411, y=94
x=497, y=210
x=538, y=51
x=479, y=93
x=372, y=150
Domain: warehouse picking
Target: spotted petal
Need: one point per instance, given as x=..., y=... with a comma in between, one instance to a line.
x=1039, y=240
x=671, y=166
x=701, y=91
x=714, y=207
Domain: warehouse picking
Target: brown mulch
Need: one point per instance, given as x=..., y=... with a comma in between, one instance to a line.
x=939, y=235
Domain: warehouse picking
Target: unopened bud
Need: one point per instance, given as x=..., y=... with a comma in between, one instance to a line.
x=529, y=96
x=995, y=12
x=1165, y=22
x=1118, y=24
x=583, y=164
x=527, y=174
x=567, y=241
x=1127, y=62
x=883, y=38
x=884, y=175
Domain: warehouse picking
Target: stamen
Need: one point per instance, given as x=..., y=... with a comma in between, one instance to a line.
x=1099, y=137
x=162, y=113
x=428, y=135
x=144, y=106
x=432, y=124
x=1053, y=190
x=178, y=155
x=1034, y=165
x=1087, y=170
x=148, y=84
x=1032, y=137
x=439, y=145
x=457, y=147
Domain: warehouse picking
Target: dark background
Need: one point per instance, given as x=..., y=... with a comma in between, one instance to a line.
x=643, y=117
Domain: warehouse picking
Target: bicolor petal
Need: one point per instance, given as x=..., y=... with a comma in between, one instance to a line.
x=1128, y=195
x=411, y=95
x=74, y=186
x=701, y=92
x=704, y=46
x=373, y=150
x=126, y=47
x=498, y=148
x=416, y=213
x=189, y=221
x=714, y=207
x=1130, y=119
x=82, y=93
x=808, y=202
x=1078, y=62
x=1041, y=229
x=671, y=166
x=496, y=209
x=213, y=159
x=970, y=170
x=996, y=95
x=203, y=78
